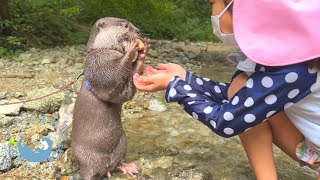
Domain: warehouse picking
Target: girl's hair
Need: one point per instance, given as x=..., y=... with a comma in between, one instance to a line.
x=315, y=63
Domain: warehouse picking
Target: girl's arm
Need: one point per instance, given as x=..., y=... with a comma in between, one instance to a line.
x=267, y=92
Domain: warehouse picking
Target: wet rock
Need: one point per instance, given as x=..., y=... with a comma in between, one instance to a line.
x=59, y=140
x=212, y=57
x=193, y=49
x=46, y=105
x=157, y=105
x=65, y=119
x=163, y=162
x=6, y=121
x=4, y=94
x=153, y=53
x=25, y=56
x=13, y=152
x=192, y=55
x=67, y=163
x=1, y=63
x=5, y=159
x=190, y=174
x=13, y=109
x=45, y=61
x=18, y=95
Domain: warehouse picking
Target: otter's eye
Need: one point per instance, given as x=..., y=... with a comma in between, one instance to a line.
x=126, y=25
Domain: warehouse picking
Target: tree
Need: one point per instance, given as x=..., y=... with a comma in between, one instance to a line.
x=4, y=14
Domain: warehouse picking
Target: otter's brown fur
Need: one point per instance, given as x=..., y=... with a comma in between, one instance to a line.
x=98, y=140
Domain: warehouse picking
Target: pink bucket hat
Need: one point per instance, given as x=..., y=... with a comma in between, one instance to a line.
x=278, y=32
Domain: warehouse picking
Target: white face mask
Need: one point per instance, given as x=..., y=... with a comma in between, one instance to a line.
x=227, y=39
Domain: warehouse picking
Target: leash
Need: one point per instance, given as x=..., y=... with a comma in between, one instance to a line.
x=45, y=96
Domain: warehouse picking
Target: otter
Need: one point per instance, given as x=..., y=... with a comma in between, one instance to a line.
x=98, y=141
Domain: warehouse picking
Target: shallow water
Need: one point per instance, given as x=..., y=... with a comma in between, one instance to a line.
x=173, y=141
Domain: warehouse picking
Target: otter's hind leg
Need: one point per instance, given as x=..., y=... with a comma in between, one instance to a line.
x=119, y=153
x=88, y=173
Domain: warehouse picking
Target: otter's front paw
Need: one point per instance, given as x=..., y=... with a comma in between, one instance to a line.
x=143, y=48
x=131, y=50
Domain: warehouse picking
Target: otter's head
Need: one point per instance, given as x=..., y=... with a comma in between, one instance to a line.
x=112, y=33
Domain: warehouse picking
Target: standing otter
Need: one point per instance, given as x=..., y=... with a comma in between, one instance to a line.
x=98, y=141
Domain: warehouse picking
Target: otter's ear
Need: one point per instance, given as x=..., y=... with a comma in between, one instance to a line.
x=100, y=25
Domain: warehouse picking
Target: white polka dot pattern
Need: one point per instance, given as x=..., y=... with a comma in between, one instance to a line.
x=228, y=116
x=293, y=93
x=249, y=102
x=213, y=124
x=249, y=118
x=235, y=100
x=271, y=99
x=208, y=110
x=269, y=114
x=217, y=89
x=291, y=77
x=191, y=102
x=187, y=87
x=249, y=83
x=172, y=92
x=267, y=82
x=199, y=81
x=207, y=93
x=192, y=95
x=206, y=79
x=195, y=115
x=228, y=131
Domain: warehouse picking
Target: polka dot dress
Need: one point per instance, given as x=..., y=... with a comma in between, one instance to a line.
x=267, y=91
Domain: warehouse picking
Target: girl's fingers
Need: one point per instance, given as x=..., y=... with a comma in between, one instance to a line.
x=145, y=79
x=142, y=80
x=162, y=66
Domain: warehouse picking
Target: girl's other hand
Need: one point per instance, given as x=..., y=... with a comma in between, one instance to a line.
x=172, y=69
x=153, y=82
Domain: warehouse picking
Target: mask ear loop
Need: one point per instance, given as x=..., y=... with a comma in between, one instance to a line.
x=225, y=9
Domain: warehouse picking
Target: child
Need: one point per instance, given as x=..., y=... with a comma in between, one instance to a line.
x=281, y=37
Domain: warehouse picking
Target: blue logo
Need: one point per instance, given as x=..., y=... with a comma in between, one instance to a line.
x=46, y=153
x=39, y=155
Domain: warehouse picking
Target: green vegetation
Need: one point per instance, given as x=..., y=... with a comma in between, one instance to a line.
x=44, y=23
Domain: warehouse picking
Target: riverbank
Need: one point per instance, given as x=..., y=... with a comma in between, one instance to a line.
x=166, y=142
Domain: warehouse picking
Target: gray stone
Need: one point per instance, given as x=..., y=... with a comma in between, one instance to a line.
x=157, y=105
x=45, y=61
x=5, y=159
x=213, y=57
x=59, y=140
x=191, y=174
x=153, y=53
x=191, y=55
x=4, y=94
x=46, y=105
x=13, y=109
x=65, y=119
x=6, y=121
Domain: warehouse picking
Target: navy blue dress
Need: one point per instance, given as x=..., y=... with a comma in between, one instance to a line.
x=268, y=90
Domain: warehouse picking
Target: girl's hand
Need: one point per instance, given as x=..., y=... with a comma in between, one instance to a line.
x=153, y=82
x=172, y=69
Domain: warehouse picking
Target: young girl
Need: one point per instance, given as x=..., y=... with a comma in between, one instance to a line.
x=280, y=38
